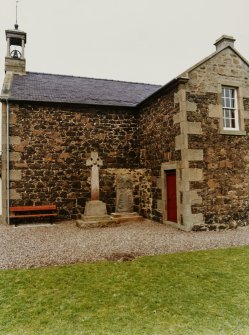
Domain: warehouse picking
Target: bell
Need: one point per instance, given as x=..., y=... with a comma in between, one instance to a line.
x=15, y=54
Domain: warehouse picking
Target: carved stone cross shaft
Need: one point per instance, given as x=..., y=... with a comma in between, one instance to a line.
x=95, y=162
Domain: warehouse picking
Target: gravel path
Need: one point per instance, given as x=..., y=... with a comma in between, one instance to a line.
x=64, y=243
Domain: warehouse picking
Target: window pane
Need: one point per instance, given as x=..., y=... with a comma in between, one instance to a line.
x=227, y=114
x=226, y=92
x=233, y=123
x=227, y=123
x=232, y=103
x=228, y=103
x=231, y=91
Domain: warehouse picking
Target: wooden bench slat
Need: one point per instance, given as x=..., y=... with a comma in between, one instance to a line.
x=32, y=208
x=22, y=212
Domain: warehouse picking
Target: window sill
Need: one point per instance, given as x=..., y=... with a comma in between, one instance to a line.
x=233, y=132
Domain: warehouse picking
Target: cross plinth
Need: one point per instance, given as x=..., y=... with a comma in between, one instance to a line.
x=95, y=162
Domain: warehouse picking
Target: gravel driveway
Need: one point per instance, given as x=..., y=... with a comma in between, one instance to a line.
x=64, y=243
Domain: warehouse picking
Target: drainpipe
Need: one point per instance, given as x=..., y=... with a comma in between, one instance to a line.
x=7, y=163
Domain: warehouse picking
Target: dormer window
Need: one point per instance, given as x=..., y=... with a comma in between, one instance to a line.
x=230, y=108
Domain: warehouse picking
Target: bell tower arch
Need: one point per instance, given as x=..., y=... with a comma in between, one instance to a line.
x=15, y=58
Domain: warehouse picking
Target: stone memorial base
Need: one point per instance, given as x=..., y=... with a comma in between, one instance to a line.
x=95, y=216
x=126, y=217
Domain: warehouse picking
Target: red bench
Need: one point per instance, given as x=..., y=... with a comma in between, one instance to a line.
x=29, y=212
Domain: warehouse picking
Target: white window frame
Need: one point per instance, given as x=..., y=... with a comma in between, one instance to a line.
x=230, y=108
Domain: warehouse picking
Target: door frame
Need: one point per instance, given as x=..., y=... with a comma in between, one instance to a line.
x=164, y=168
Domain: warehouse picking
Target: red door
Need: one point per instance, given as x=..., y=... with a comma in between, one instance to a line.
x=171, y=205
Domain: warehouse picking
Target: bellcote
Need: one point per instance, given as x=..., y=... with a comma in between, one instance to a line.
x=15, y=60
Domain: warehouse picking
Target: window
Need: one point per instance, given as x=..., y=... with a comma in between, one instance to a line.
x=230, y=108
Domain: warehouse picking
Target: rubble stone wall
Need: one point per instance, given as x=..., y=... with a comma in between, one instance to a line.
x=225, y=165
x=246, y=104
x=225, y=68
x=181, y=128
x=49, y=147
x=157, y=133
x=224, y=188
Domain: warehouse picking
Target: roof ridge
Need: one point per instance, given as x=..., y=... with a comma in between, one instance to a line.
x=113, y=80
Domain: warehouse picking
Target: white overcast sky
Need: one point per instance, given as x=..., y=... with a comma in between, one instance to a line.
x=149, y=41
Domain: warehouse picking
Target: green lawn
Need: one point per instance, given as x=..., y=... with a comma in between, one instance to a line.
x=187, y=293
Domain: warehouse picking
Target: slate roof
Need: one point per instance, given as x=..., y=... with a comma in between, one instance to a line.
x=44, y=87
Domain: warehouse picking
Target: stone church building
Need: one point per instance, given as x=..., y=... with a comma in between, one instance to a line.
x=185, y=145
